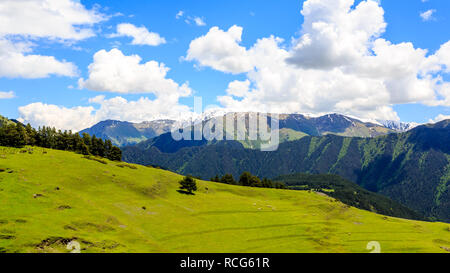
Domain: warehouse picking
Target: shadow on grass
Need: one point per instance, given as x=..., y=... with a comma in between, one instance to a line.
x=185, y=192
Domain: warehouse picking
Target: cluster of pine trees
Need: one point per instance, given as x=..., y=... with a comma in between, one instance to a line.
x=18, y=135
x=248, y=180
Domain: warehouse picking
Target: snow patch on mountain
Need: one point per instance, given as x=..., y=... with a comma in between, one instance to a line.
x=398, y=125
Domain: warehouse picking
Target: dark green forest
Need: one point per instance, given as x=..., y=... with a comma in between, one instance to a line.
x=248, y=180
x=17, y=135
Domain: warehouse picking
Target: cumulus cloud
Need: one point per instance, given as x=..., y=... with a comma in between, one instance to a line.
x=55, y=19
x=220, y=50
x=17, y=62
x=140, y=35
x=439, y=118
x=427, y=15
x=238, y=88
x=112, y=71
x=339, y=63
x=143, y=109
x=442, y=57
x=40, y=114
x=117, y=108
x=334, y=34
x=7, y=95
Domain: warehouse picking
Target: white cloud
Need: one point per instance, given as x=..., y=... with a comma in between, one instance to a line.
x=199, y=21
x=439, y=118
x=338, y=64
x=334, y=34
x=238, y=88
x=112, y=71
x=358, y=73
x=427, y=15
x=443, y=56
x=143, y=109
x=64, y=21
x=220, y=50
x=16, y=62
x=55, y=19
x=179, y=14
x=140, y=35
x=40, y=114
x=7, y=95
x=117, y=108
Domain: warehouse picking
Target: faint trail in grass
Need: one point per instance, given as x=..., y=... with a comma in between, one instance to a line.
x=236, y=229
x=219, y=212
x=278, y=237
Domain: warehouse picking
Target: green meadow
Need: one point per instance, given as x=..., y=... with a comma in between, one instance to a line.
x=49, y=198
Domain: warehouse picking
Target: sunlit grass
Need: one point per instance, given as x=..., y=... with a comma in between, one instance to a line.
x=48, y=198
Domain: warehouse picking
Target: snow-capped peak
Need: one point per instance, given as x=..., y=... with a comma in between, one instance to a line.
x=398, y=126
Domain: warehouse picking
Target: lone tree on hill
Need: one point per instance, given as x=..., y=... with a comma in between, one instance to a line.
x=188, y=184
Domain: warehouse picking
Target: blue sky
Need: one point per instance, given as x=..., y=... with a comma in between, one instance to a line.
x=257, y=18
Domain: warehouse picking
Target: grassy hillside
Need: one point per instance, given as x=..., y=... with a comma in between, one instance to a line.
x=412, y=168
x=49, y=197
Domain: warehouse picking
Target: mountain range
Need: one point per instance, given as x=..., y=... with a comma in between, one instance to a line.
x=412, y=167
x=292, y=127
x=123, y=133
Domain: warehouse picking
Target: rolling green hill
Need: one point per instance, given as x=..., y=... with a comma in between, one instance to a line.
x=49, y=198
x=412, y=168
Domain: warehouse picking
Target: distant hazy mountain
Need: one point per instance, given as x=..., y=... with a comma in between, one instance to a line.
x=123, y=133
x=398, y=126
